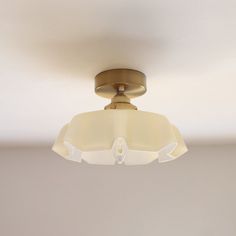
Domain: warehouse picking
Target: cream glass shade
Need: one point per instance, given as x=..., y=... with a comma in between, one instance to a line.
x=119, y=136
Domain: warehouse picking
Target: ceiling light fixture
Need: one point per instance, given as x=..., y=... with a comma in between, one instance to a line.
x=120, y=133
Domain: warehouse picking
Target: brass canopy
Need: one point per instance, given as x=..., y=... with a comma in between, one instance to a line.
x=120, y=85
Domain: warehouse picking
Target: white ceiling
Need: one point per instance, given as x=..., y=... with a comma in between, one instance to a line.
x=51, y=50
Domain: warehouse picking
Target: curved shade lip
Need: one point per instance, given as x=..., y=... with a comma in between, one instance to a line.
x=145, y=133
x=135, y=112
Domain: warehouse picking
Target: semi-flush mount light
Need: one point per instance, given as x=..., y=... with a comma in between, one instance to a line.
x=120, y=133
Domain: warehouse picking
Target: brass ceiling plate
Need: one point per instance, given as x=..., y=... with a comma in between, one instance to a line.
x=108, y=82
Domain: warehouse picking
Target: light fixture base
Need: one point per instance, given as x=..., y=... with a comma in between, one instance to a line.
x=131, y=83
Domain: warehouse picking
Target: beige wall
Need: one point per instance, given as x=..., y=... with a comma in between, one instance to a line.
x=44, y=195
